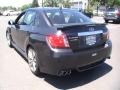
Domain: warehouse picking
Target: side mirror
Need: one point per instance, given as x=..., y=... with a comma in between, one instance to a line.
x=11, y=22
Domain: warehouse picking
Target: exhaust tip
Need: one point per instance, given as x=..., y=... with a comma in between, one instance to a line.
x=64, y=72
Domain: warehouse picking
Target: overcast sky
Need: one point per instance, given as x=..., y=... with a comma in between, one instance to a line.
x=15, y=3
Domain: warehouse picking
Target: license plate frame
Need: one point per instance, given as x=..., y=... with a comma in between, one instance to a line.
x=90, y=40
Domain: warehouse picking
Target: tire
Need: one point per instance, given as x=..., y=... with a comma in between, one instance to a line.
x=33, y=61
x=8, y=14
x=116, y=21
x=106, y=21
x=8, y=37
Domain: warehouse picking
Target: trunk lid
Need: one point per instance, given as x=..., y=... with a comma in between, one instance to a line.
x=84, y=36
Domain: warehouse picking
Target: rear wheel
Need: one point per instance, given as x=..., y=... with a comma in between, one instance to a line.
x=8, y=37
x=116, y=21
x=33, y=61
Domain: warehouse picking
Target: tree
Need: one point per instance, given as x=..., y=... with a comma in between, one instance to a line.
x=56, y=3
x=115, y=3
x=107, y=2
x=26, y=6
x=51, y=3
x=66, y=3
x=8, y=8
x=35, y=3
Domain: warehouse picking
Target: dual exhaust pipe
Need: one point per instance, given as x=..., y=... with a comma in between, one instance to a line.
x=64, y=72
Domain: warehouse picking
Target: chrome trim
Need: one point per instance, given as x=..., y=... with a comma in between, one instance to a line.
x=90, y=33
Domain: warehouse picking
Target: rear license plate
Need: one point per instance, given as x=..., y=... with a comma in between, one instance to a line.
x=91, y=40
x=110, y=14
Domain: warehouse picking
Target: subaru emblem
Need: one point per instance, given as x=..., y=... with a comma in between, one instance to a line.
x=91, y=29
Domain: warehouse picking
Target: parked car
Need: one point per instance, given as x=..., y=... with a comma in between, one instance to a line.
x=112, y=14
x=57, y=41
x=100, y=12
x=11, y=12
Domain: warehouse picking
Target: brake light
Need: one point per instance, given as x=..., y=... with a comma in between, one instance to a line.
x=106, y=35
x=58, y=40
x=118, y=14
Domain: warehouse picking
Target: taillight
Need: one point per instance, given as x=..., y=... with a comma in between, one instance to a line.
x=58, y=40
x=106, y=35
x=118, y=14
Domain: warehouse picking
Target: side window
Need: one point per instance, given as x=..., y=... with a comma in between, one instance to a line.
x=39, y=20
x=20, y=20
x=29, y=18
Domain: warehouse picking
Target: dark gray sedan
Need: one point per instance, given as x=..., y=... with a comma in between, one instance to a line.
x=57, y=41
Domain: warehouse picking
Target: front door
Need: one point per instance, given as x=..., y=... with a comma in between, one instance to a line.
x=24, y=27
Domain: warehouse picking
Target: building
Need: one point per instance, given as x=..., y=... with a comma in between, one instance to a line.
x=79, y=4
x=40, y=2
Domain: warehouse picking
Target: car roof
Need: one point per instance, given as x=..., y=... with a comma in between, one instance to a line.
x=47, y=8
x=114, y=8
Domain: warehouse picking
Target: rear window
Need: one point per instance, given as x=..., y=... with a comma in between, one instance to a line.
x=66, y=17
x=111, y=9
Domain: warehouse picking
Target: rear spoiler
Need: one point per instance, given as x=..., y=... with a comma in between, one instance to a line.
x=61, y=26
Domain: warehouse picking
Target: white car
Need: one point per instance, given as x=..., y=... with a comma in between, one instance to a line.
x=11, y=12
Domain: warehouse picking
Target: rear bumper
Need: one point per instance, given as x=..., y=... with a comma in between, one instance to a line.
x=55, y=61
x=112, y=18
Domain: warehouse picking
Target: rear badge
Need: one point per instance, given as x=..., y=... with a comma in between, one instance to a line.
x=91, y=29
x=94, y=54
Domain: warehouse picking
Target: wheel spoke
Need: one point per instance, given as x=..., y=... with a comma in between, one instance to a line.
x=32, y=59
x=8, y=38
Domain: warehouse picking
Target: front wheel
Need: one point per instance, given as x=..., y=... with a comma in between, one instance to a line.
x=8, y=37
x=33, y=61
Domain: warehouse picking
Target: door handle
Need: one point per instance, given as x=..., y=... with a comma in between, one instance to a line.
x=17, y=26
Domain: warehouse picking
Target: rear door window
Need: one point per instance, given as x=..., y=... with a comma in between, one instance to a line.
x=30, y=18
x=111, y=9
x=66, y=17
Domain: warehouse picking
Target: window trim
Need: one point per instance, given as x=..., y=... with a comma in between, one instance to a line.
x=18, y=18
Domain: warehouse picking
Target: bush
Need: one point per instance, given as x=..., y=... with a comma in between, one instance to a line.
x=89, y=9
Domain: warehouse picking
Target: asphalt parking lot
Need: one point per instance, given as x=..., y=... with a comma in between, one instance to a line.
x=15, y=73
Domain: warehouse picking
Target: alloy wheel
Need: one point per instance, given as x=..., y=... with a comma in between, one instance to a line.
x=8, y=38
x=32, y=60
